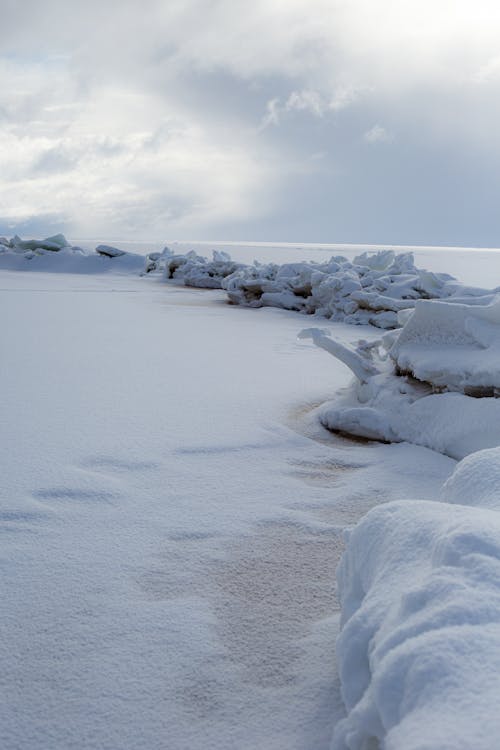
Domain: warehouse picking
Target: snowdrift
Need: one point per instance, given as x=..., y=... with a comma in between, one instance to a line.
x=419, y=651
x=419, y=648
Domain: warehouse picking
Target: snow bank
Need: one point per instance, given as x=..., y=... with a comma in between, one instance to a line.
x=57, y=254
x=419, y=648
x=393, y=409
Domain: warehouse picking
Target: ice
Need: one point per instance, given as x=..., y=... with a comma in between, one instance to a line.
x=196, y=271
x=373, y=288
x=56, y=254
x=425, y=380
x=452, y=347
x=109, y=251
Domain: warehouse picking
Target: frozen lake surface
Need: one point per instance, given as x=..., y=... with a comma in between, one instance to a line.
x=172, y=516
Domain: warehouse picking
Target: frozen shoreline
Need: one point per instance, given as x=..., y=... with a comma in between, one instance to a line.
x=178, y=532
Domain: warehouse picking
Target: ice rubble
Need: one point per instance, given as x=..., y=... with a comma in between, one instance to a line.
x=195, y=270
x=398, y=392
x=57, y=254
x=452, y=347
x=373, y=288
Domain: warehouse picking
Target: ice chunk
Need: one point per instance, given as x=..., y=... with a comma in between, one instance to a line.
x=109, y=251
x=362, y=368
x=453, y=347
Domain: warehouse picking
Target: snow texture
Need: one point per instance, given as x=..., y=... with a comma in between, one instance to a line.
x=168, y=548
x=475, y=481
x=419, y=648
x=452, y=347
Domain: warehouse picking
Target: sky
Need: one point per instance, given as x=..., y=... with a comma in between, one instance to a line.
x=356, y=121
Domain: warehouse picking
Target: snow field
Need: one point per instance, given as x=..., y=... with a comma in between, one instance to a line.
x=169, y=530
x=173, y=512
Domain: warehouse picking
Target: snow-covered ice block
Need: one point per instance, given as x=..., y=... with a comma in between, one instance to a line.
x=53, y=244
x=419, y=648
x=453, y=347
x=196, y=271
x=393, y=409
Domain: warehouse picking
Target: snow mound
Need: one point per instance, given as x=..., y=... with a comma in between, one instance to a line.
x=372, y=289
x=393, y=409
x=419, y=648
x=56, y=254
x=475, y=481
x=452, y=347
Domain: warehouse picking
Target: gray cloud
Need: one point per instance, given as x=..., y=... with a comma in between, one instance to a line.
x=207, y=117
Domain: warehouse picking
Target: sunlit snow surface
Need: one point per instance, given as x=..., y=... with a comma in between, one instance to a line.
x=172, y=518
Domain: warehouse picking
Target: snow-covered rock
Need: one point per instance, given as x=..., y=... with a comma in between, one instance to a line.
x=419, y=648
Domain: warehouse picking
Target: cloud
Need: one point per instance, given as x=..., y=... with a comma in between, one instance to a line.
x=378, y=134
x=179, y=117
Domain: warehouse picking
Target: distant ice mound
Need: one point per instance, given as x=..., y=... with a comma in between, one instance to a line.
x=196, y=271
x=372, y=289
x=420, y=384
x=56, y=254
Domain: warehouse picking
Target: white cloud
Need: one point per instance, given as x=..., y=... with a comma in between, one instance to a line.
x=378, y=134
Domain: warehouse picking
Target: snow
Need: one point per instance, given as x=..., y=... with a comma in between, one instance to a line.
x=419, y=649
x=398, y=392
x=456, y=347
x=56, y=254
x=174, y=510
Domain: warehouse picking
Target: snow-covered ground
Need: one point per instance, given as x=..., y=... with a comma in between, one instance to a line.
x=173, y=515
